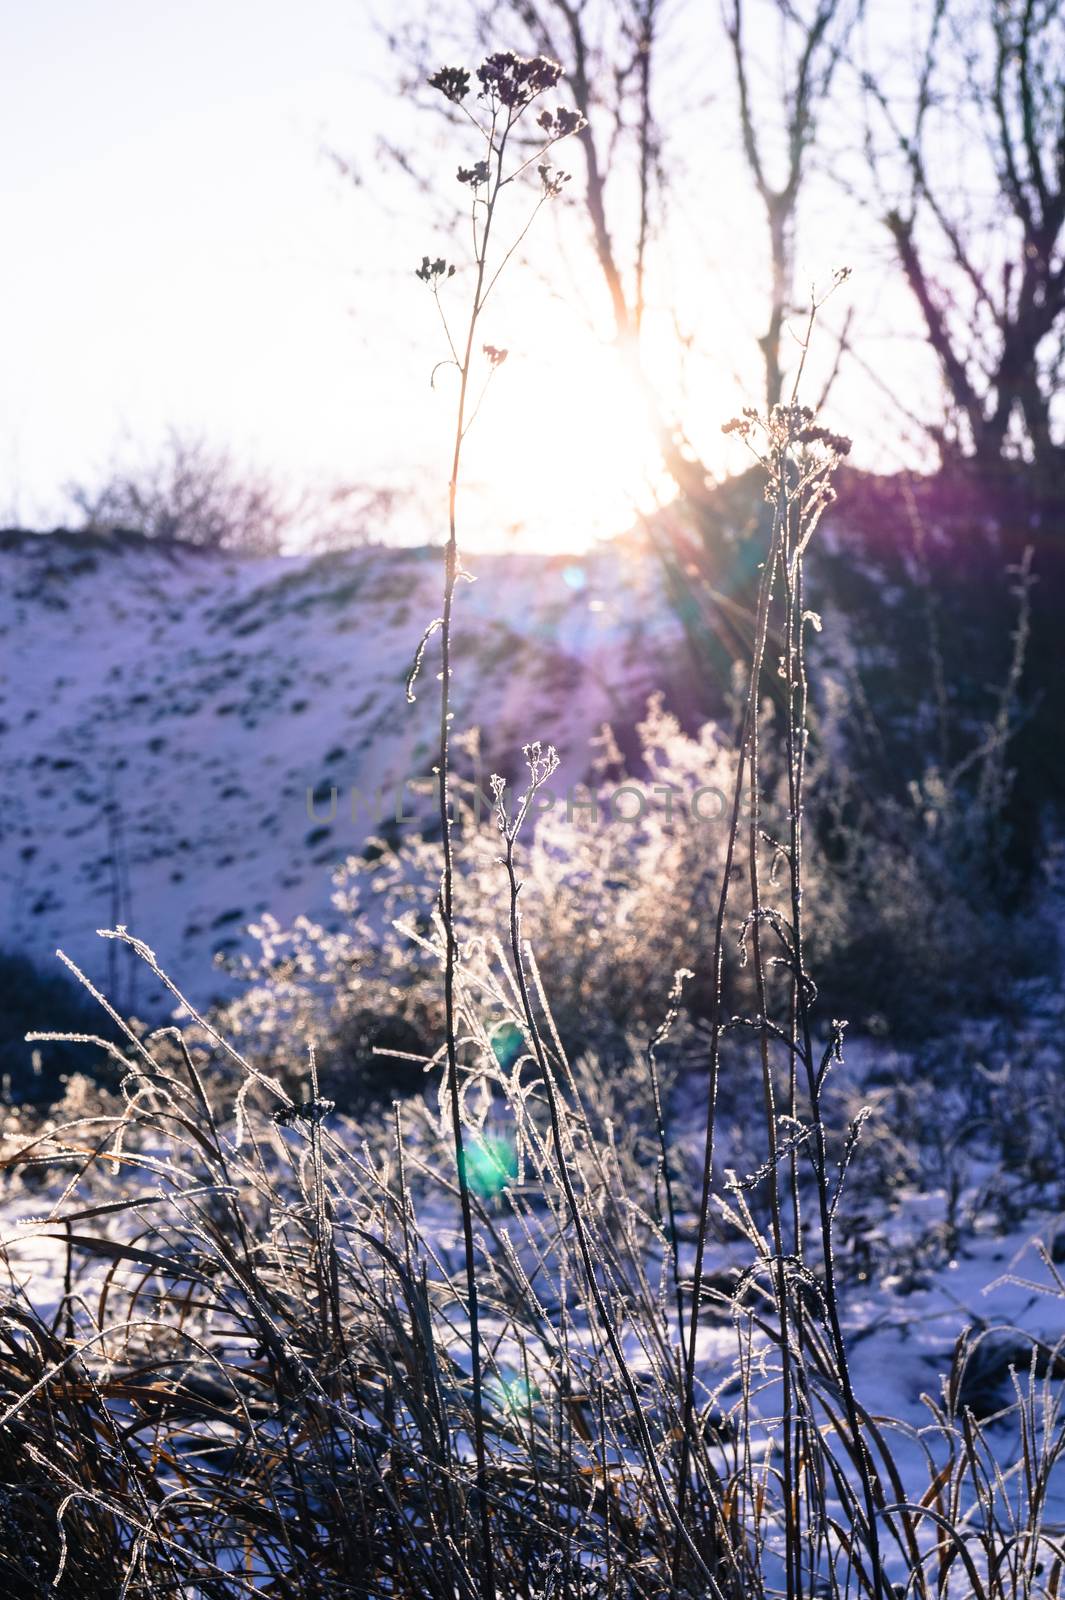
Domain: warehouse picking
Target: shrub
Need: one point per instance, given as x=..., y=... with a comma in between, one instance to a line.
x=192, y=493
x=617, y=903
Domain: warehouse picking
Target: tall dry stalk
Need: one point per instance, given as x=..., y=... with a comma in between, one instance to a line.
x=509, y=85
x=798, y=457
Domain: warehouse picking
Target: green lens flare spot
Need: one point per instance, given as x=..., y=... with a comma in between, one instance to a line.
x=507, y=1044
x=491, y=1164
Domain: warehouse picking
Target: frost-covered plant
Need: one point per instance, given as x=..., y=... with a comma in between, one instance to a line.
x=618, y=903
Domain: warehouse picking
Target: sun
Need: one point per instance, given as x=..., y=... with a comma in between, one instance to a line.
x=562, y=453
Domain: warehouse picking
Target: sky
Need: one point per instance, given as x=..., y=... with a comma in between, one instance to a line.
x=183, y=252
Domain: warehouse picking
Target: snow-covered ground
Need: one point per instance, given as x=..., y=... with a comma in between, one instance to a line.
x=164, y=713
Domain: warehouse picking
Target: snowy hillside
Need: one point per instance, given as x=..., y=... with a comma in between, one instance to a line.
x=164, y=712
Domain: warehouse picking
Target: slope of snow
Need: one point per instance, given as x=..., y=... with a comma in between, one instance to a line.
x=165, y=711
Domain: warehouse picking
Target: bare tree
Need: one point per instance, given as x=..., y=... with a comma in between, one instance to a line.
x=985, y=257
x=192, y=493
x=611, y=51
x=812, y=43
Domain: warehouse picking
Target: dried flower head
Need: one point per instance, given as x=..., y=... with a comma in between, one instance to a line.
x=496, y=357
x=475, y=175
x=431, y=271
x=453, y=83
x=541, y=762
x=552, y=179
x=785, y=420
x=837, y=443
x=313, y=1111
x=513, y=80
x=560, y=123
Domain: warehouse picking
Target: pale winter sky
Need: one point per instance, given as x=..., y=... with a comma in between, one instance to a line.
x=181, y=251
